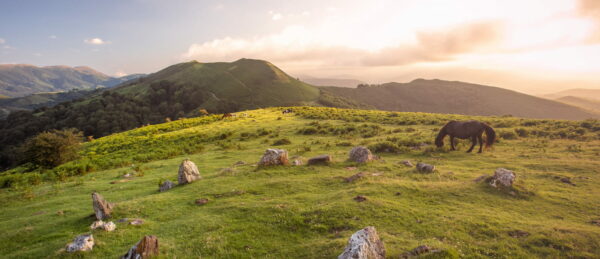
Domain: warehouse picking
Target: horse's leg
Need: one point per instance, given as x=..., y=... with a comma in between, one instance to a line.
x=473, y=142
x=480, y=138
x=452, y=142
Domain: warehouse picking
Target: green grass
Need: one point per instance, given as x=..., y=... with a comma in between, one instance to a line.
x=309, y=211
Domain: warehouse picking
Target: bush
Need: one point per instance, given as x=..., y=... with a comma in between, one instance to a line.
x=522, y=132
x=283, y=141
x=386, y=146
x=308, y=131
x=53, y=148
x=508, y=135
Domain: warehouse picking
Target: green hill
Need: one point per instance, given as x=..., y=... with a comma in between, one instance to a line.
x=38, y=100
x=22, y=80
x=460, y=98
x=310, y=211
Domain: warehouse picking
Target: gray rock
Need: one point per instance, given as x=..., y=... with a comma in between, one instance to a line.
x=188, y=172
x=165, y=186
x=274, y=156
x=320, y=160
x=364, y=244
x=97, y=224
x=361, y=155
x=407, y=163
x=136, y=222
x=503, y=177
x=145, y=248
x=109, y=226
x=102, y=209
x=425, y=168
x=81, y=243
x=297, y=162
x=355, y=177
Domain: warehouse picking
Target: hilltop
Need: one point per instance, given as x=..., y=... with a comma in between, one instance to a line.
x=439, y=96
x=21, y=80
x=310, y=211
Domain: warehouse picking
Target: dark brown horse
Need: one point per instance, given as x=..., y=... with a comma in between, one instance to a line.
x=464, y=130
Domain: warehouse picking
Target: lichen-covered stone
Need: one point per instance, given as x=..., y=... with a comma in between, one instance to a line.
x=102, y=208
x=320, y=160
x=188, y=172
x=165, y=186
x=364, y=244
x=81, y=243
x=503, y=177
x=274, y=156
x=361, y=155
x=145, y=248
x=425, y=168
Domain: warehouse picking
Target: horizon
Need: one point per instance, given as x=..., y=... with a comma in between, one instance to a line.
x=537, y=48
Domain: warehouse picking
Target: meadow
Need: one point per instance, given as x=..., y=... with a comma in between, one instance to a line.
x=309, y=211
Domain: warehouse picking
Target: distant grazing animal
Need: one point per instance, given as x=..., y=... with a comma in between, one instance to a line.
x=226, y=115
x=466, y=129
x=287, y=111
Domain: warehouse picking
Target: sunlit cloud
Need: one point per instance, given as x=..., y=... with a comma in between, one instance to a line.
x=275, y=16
x=53, y=37
x=96, y=41
x=2, y=41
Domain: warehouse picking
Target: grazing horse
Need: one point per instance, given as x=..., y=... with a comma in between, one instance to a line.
x=466, y=129
x=227, y=115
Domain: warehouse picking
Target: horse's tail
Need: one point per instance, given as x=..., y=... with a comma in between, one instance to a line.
x=490, y=135
x=439, y=140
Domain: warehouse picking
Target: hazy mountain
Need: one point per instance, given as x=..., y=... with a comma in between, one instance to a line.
x=340, y=82
x=22, y=80
x=588, y=104
x=440, y=96
x=578, y=92
x=38, y=100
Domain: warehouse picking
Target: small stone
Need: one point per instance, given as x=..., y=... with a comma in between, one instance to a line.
x=320, y=160
x=361, y=155
x=503, y=177
x=97, y=224
x=398, y=193
x=351, y=168
x=420, y=250
x=136, y=222
x=407, y=163
x=425, y=168
x=188, y=172
x=360, y=198
x=127, y=175
x=355, y=177
x=165, y=186
x=60, y=213
x=109, y=226
x=102, y=209
x=123, y=220
x=201, y=201
x=81, y=243
x=297, y=162
x=567, y=180
x=145, y=248
x=364, y=244
x=274, y=156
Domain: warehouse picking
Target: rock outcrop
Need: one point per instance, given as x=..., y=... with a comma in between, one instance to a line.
x=361, y=155
x=274, y=156
x=145, y=248
x=102, y=208
x=364, y=244
x=320, y=160
x=188, y=172
x=81, y=243
x=503, y=177
x=425, y=168
x=165, y=186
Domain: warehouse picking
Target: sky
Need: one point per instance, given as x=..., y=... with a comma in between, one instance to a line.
x=533, y=46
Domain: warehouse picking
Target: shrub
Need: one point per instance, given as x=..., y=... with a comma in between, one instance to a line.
x=308, y=131
x=283, y=141
x=53, y=148
x=386, y=146
x=507, y=135
x=522, y=132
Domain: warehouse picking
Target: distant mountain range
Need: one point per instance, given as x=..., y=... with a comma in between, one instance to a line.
x=439, y=96
x=339, y=82
x=588, y=104
x=38, y=100
x=22, y=80
x=590, y=94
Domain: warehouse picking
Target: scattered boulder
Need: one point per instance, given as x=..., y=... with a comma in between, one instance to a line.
x=361, y=154
x=97, y=224
x=201, y=201
x=81, y=243
x=188, y=172
x=360, y=198
x=407, y=163
x=503, y=177
x=425, y=168
x=364, y=244
x=136, y=222
x=165, y=186
x=274, y=156
x=297, y=162
x=127, y=175
x=420, y=250
x=123, y=220
x=320, y=160
x=518, y=233
x=145, y=248
x=355, y=177
x=102, y=209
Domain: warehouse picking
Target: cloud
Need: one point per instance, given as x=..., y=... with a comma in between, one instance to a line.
x=296, y=45
x=2, y=41
x=53, y=37
x=96, y=41
x=591, y=9
x=275, y=16
x=120, y=74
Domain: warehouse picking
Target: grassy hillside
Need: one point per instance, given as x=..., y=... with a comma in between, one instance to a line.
x=588, y=104
x=309, y=211
x=462, y=98
x=22, y=80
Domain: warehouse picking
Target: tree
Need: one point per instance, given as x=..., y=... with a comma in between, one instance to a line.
x=52, y=148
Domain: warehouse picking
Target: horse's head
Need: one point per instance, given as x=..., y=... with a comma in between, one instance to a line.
x=439, y=142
